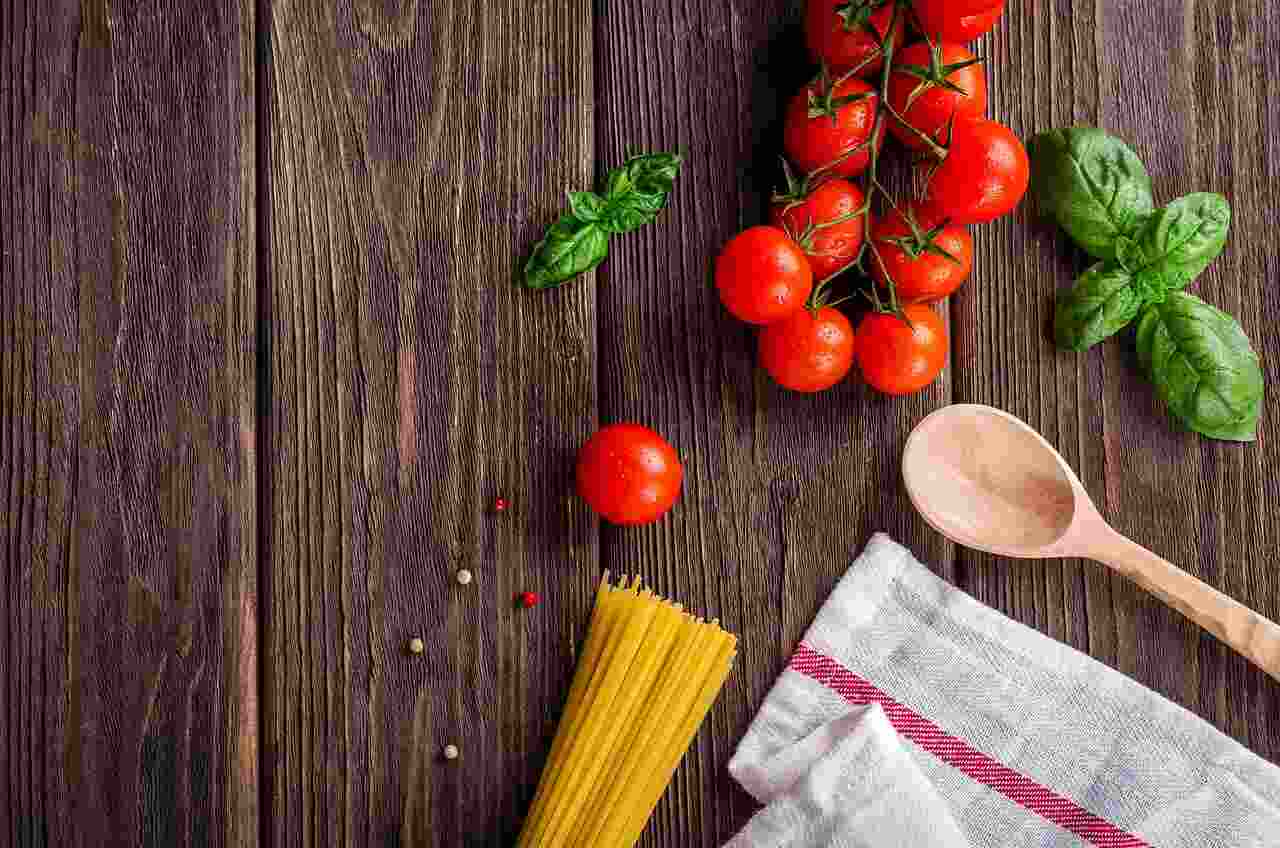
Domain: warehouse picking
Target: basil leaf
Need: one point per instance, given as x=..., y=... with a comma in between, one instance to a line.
x=1203, y=366
x=637, y=191
x=1101, y=304
x=634, y=194
x=647, y=173
x=1092, y=183
x=570, y=248
x=586, y=205
x=1176, y=243
x=631, y=211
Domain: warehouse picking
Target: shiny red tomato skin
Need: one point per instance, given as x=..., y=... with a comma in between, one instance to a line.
x=833, y=247
x=939, y=20
x=983, y=176
x=932, y=109
x=807, y=352
x=763, y=275
x=899, y=358
x=629, y=474
x=844, y=49
x=965, y=7
x=928, y=276
x=813, y=143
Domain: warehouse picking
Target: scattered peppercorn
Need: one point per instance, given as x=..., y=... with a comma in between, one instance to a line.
x=464, y=576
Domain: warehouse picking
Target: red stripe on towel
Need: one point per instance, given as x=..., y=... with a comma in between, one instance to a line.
x=953, y=751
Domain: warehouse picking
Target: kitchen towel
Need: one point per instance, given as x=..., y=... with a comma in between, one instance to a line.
x=1016, y=739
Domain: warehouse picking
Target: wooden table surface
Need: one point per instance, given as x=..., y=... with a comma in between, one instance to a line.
x=264, y=371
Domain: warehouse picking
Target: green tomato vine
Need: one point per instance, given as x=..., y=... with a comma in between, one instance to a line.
x=871, y=183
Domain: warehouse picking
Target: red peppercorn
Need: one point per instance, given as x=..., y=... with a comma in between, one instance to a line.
x=500, y=505
x=528, y=600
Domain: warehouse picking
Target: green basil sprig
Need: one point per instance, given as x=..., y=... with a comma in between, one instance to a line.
x=1197, y=356
x=633, y=196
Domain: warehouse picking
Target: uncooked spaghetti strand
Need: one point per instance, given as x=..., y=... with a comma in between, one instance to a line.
x=683, y=739
x=598, y=713
x=640, y=685
x=656, y=716
x=603, y=619
x=639, y=682
x=685, y=684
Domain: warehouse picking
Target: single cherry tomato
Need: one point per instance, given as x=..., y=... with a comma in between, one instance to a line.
x=629, y=474
x=983, y=176
x=808, y=352
x=932, y=83
x=898, y=358
x=763, y=275
x=828, y=125
x=940, y=21
x=927, y=259
x=836, y=31
x=825, y=221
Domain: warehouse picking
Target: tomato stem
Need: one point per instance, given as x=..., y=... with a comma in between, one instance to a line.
x=936, y=149
x=872, y=184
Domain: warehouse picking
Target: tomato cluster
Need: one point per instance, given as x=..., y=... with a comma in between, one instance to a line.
x=932, y=99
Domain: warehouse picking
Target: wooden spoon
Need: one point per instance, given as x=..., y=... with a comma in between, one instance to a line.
x=986, y=480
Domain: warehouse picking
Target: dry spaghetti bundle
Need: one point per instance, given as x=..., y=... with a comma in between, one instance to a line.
x=646, y=678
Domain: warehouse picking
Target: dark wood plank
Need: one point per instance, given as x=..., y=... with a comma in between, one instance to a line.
x=1192, y=87
x=416, y=152
x=1002, y=348
x=127, y=443
x=781, y=490
x=1206, y=124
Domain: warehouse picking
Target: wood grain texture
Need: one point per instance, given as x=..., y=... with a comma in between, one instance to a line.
x=781, y=489
x=1200, y=117
x=416, y=151
x=342, y=193
x=1210, y=507
x=127, y=440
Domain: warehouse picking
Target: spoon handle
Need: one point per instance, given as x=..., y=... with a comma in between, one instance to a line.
x=1253, y=636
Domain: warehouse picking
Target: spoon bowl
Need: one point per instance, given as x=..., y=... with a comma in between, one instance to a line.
x=982, y=477
x=987, y=480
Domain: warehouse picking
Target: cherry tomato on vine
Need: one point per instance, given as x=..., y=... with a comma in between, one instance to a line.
x=828, y=126
x=898, y=358
x=763, y=275
x=629, y=474
x=983, y=176
x=930, y=83
x=825, y=221
x=926, y=258
x=836, y=31
x=808, y=352
x=940, y=20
